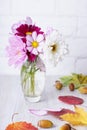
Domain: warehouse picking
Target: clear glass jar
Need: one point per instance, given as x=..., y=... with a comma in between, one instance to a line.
x=32, y=81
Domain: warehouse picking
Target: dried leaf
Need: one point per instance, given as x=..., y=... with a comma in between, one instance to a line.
x=77, y=118
x=21, y=126
x=52, y=112
x=78, y=80
x=72, y=100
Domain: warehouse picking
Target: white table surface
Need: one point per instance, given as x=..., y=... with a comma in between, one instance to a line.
x=12, y=101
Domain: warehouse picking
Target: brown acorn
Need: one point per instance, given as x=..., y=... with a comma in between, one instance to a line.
x=65, y=127
x=58, y=85
x=71, y=87
x=83, y=90
x=45, y=123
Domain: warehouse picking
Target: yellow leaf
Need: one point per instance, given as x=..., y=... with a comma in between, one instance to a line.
x=77, y=118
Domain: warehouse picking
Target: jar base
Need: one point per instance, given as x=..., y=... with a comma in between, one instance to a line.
x=32, y=99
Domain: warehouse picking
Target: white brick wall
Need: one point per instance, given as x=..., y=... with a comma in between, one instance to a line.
x=72, y=7
x=68, y=16
x=33, y=7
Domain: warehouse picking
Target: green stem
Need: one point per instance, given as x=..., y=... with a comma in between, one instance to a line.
x=32, y=83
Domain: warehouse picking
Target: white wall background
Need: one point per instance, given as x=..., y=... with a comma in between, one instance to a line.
x=68, y=16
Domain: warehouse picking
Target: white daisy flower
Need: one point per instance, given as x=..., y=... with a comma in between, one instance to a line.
x=35, y=43
x=55, y=46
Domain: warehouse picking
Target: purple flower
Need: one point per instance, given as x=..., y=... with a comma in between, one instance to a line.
x=16, y=51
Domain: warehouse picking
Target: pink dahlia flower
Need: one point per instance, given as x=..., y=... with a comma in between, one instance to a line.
x=16, y=51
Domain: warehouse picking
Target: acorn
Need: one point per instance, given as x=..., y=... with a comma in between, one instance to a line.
x=58, y=85
x=71, y=87
x=45, y=123
x=83, y=90
x=65, y=127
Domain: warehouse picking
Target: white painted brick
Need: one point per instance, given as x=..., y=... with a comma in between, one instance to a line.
x=82, y=27
x=81, y=65
x=71, y=7
x=77, y=47
x=3, y=44
x=4, y=25
x=4, y=7
x=66, y=25
x=65, y=67
x=29, y=7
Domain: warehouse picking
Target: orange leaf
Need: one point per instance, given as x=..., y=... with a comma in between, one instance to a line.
x=21, y=126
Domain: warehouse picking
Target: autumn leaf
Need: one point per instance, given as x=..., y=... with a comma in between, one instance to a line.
x=21, y=126
x=77, y=118
x=71, y=100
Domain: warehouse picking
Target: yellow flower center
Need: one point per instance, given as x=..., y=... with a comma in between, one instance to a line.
x=28, y=33
x=35, y=44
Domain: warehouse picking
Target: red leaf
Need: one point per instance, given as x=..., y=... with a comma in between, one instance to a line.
x=61, y=112
x=72, y=100
x=56, y=113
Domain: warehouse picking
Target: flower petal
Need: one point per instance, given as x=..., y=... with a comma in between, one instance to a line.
x=28, y=43
x=34, y=51
x=55, y=46
x=16, y=51
x=34, y=35
x=29, y=38
x=28, y=21
x=40, y=38
x=39, y=49
x=38, y=112
x=40, y=64
x=29, y=48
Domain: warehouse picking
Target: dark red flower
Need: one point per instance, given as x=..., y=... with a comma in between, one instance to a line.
x=25, y=29
x=31, y=57
x=22, y=30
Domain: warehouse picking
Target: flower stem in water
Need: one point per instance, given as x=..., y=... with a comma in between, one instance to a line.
x=32, y=83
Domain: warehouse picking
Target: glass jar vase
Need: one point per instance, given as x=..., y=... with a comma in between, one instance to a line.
x=33, y=80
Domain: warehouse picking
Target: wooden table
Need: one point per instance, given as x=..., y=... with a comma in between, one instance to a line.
x=12, y=101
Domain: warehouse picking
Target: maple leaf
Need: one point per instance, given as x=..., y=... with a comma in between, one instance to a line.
x=21, y=126
x=77, y=118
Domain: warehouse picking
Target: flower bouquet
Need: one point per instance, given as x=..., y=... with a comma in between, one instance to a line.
x=27, y=43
